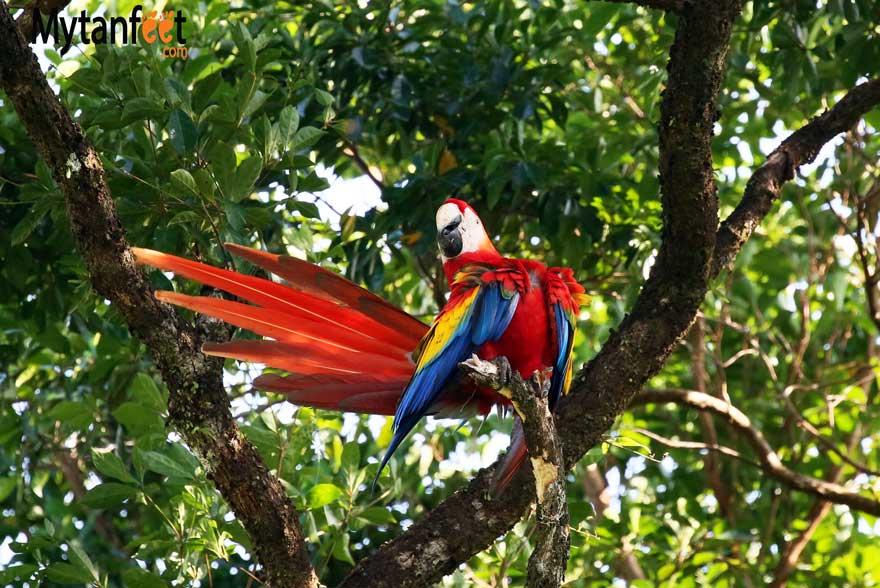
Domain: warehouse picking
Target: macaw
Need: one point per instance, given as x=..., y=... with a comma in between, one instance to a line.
x=347, y=349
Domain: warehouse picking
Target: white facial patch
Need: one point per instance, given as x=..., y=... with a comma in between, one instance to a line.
x=446, y=214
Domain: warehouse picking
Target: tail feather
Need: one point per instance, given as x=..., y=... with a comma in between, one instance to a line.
x=287, y=300
x=364, y=393
x=345, y=348
x=279, y=326
x=294, y=383
x=300, y=358
x=322, y=283
x=513, y=459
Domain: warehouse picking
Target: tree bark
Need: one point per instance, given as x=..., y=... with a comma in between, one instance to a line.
x=198, y=405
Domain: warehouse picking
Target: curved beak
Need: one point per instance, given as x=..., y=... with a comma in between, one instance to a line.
x=449, y=239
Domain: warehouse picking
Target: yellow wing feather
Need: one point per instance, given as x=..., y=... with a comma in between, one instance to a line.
x=444, y=328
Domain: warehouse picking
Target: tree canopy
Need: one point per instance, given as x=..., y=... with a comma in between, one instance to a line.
x=575, y=129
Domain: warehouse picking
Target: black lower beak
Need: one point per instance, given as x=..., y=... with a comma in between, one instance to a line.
x=449, y=242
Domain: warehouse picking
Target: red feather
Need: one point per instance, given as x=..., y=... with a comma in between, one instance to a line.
x=311, y=358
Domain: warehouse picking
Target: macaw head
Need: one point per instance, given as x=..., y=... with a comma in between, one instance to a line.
x=460, y=231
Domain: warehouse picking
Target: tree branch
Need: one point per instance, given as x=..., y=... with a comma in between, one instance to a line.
x=770, y=461
x=800, y=148
x=713, y=448
x=198, y=406
x=472, y=518
x=549, y=557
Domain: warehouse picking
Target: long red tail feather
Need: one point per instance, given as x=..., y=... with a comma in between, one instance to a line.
x=325, y=284
x=301, y=358
x=513, y=459
x=291, y=302
x=346, y=348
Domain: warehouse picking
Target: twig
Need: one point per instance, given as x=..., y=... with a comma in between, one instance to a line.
x=351, y=151
x=678, y=444
x=770, y=460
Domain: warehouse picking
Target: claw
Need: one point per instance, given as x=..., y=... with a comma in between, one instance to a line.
x=505, y=372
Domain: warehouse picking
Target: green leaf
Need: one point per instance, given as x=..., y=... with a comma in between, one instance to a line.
x=162, y=464
x=204, y=183
x=235, y=215
x=223, y=164
x=254, y=103
x=324, y=98
x=20, y=573
x=245, y=177
x=245, y=43
x=64, y=573
x=138, y=418
x=323, y=494
x=79, y=557
x=73, y=414
x=184, y=183
x=28, y=224
x=144, y=389
x=140, y=109
x=108, y=464
x=108, y=494
x=351, y=456
x=342, y=550
x=305, y=138
x=183, y=132
x=378, y=515
x=7, y=486
x=313, y=183
x=307, y=209
x=138, y=578
x=288, y=123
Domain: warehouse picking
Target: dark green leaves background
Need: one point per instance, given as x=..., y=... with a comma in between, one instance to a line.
x=543, y=116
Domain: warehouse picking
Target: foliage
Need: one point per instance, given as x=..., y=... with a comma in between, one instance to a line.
x=543, y=115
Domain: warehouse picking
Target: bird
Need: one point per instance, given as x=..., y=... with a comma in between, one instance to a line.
x=344, y=348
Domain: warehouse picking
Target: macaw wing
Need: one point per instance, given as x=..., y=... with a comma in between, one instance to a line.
x=564, y=297
x=564, y=321
x=474, y=315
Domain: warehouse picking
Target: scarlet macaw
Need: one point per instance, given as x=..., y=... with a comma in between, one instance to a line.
x=347, y=349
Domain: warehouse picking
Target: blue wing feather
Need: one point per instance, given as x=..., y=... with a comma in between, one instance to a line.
x=564, y=334
x=488, y=318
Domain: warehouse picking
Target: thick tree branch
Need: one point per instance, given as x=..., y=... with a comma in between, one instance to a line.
x=800, y=148
x=770, y=460
x=549, y=557
x=471, y=519
x=198, y=406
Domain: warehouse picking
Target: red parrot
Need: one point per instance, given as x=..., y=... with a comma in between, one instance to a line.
x=347, y=349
